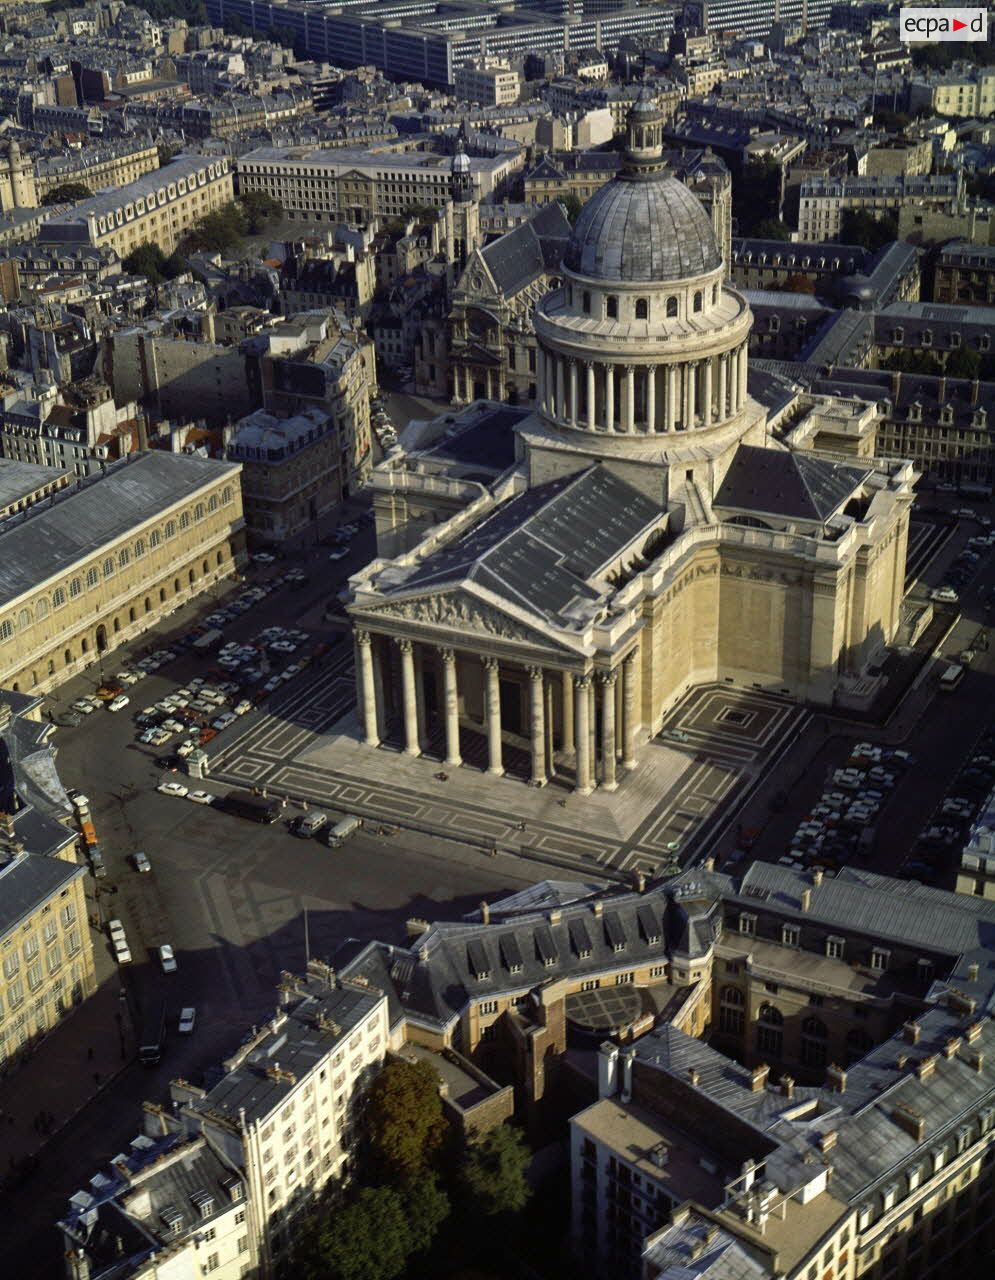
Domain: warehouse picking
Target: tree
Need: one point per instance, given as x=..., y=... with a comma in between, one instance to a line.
x=148, y=260
x=772, y=229
x=404, y=1122
x=798, y=283
x=860, y=226
x=368, y=1239
x=166, y=151
x=217, y=231
x=572, y=206
x=427, y=1207
x=68, y=191
x=260, y=211
x=494, y=1172
x=963, y=363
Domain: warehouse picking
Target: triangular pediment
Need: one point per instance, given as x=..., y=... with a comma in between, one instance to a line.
x=460, y=613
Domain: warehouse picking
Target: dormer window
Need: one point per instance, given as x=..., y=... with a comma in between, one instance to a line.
x=955, y=340
x=927, y=337
x=946, y=415
x=898, y=336
x=747, y=923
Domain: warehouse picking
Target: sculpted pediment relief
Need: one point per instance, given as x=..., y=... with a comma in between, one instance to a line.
x=465, y=614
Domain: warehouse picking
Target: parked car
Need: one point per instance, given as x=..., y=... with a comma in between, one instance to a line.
x=119, y=703
x=167, y=959
x=141, y=861
x=188, y=1017
x=172, y=789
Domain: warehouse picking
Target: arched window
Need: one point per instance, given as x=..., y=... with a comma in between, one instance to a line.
x=731, y=1011
x=148, y=605
x=671, y=307
x=109, y=567
x=814, y=1037
x=123, y=557
x=68, y=657
x=770, y=1036
x=858, y=1043
x=41, y=610
x=198, y=511
x=611, y=307
x=6, y=629
x=24, y=619
x=585, y=302
x=226, y=494
x=162, y=595
x=58, y=597
x=139, y=548
x=715, y=294
x=221, y=557
x=132, y=615
x=170, y=529
x=642, y=309
x=51, y=666
x=92, y=576
x=204, y=567
x=212, y=502
x=155, y=537
x=697, y=301
x=75, y=588
x=185, y=520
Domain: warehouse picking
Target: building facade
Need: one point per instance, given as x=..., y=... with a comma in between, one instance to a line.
x=129, y=545
x=708, y=570
x=158, y=208
x=492, y=84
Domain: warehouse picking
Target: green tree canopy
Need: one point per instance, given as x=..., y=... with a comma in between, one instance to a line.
x=404, y=1122
x=427, y=1207
x=772, y=229
x=573, y=204
x=494, y=1172
x=260, y=211
x=68, y=191
x=963, y=363
x=148, y=260
x=368, y=1239
x=860, y=226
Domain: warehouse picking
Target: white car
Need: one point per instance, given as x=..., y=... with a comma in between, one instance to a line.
x=338, y=555
x=122, y=953
x=119, y=703
x=83, y=707
x=263, y=557
x=167, y=959
x=283, y=646
x=200, y=797
x=116, y=929
x=141, y=861
x=242, y=708
x=172, y=789
x=187, y=1019
x=224, y=721
x=186, y=748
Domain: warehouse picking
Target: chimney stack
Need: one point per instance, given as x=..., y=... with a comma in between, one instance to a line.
x=485, y=912
x=912, y=1032
x=709, y=863
x=758, y=1077
x=788, y=1085
x=806, y=899
x=973, y=1032
x=972, y=973
x=951, y=1046
x=911, y=1122
x=597, y=907
x=836, y=1078
x=828, y=1140
x=816, y=876
x=693, y=1076
x=640, y=882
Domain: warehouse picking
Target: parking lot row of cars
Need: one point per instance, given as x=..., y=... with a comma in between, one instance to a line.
x=942, y=839
x=965, y=567
x=842, y=823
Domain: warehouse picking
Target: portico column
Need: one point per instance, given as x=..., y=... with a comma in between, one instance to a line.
x=561, y=400
x=608, y=780
x=493, y=698
x=451, y=695
x=743, y=371
x=651, y=398
x=671, y=406
x=411, y=747
x=723, y=411
x=609, y=397
x=591, y=393
x=706, y=408
x=582, y=690
x=538, y=709
x=630, y=399
x=540, y=390
x=629, y=712
x=549, y=381
x=573, y=392
x=490, y=386
x=568, y=711
x=364, y=643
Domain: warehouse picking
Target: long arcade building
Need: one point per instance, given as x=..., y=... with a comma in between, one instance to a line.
x=98, y=565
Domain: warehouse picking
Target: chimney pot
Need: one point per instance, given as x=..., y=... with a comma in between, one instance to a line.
x=758, y=1077
x=972, y=973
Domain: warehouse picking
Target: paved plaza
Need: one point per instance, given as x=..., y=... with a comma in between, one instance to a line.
x=306, y=746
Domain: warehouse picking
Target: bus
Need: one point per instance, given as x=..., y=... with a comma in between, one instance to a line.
x=951, y=678
x=153, y=1032
x=243, y=804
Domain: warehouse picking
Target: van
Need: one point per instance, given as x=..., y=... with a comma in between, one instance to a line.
x=97, y=862
x=309, y=824
x=338, y=835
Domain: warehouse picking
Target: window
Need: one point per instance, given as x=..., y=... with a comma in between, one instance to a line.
x=92, y=577
x=622, y=978
x=488, y=1006
x=790, y=935
x=671, y=307
x=139, y=548
x=6, y=629
x=41, y=610
x=586, y=303
x=770, y=1035
x=697, y=303
x=642, y=309
x=611, y=307
x=124, y=557
x=880, y=958
x=109, y=567
x=155, y=537
x=747, y=923
x=58, y=597
x=198, y=511
x=814, y=1037
x=731, y=1016
x=835, y=947
x=75, y=588
x=170, y=530
x=212, y=1263
x=24, y=618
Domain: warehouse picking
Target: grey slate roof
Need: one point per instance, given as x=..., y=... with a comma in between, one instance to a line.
x=541, y=549
x=528, y=251
x=49, y=540
x=785, y=483
x=653, y=230
x=27, y=881
x=19, y=479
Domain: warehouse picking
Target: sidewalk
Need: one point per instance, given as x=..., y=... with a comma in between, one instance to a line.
x=61, y=1076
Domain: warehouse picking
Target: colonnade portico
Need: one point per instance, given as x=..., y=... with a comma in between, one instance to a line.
x=635, y=398
x=584, y=716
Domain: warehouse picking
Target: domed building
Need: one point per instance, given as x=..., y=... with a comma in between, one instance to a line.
x=651, y=534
